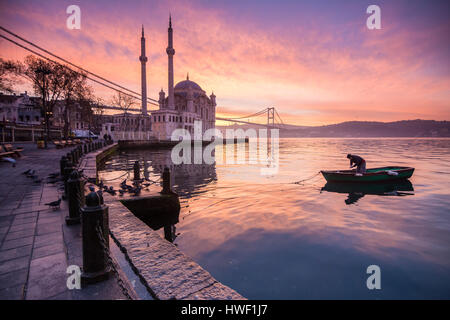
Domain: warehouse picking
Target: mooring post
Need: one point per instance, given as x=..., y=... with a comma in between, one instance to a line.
x=75, y=195
x=95, y=233
x=137, y=170
x=62, y=165
x=74, y=157
x=69, y=157
x=166, y=182
x=67, y=171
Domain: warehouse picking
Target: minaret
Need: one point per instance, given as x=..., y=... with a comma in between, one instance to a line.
x=170, y=52
x=143, y=60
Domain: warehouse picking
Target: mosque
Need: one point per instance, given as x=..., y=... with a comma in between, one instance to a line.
x=185, y=103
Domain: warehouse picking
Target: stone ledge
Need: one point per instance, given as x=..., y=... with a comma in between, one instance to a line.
x=166, y=272
x=164, y=269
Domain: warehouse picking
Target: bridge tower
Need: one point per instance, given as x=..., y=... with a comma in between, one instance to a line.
x=271, y=117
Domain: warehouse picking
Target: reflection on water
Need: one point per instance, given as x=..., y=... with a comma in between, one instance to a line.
x=358, y=190
x=269, y=238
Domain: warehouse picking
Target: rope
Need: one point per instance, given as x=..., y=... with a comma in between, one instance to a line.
x=310, y=178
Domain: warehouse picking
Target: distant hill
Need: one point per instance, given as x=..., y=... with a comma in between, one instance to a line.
x=361, y=129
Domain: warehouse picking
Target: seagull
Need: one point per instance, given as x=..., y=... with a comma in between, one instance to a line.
x=54, y=204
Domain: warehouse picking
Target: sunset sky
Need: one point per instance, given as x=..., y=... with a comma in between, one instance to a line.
x=314, y=60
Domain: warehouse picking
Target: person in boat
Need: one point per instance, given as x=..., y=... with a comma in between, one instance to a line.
x=358, y=162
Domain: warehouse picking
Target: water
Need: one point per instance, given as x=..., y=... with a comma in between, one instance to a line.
x=270, y=239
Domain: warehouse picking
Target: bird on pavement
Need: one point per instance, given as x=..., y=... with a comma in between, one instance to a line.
x=54, y=204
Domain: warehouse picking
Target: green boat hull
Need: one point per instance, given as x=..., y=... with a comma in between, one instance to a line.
x=372, y=175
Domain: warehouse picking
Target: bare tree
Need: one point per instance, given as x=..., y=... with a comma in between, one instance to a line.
x=75, y=91
x=124, y=102
x=8, y=75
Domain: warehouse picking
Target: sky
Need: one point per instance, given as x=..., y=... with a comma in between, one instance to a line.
x=315, y=61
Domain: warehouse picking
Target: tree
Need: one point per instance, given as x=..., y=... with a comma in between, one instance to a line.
x=75, y=92
x=124, y=102
x=8, y=77
x=46, y=78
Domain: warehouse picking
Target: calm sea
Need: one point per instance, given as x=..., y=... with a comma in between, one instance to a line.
x=269, y=238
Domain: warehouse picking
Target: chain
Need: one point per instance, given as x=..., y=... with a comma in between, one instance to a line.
x=111, y=263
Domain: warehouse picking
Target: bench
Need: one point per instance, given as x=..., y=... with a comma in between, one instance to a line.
x=58, y=144
x=16, y=151
x=4, y=153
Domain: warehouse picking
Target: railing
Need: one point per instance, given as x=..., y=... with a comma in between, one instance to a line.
x=10, y=132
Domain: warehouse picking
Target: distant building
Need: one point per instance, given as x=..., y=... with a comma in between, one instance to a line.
x=21, y=109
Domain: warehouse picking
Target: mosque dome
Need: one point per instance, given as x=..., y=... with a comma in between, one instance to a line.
x=186, y=84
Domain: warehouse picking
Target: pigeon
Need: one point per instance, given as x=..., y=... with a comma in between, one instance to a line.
x=26, y=172
x=53, y=175
x=121, y=192
x=111, y=191
x=54, y=204
x=52, y=180
x=37, y=180
x=31, y=173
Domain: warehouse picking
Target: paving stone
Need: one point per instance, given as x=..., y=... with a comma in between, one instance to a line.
x=23, y=227
x=47, y=239
x=15, y=253
x=16, y=243
x=14, y=293
x=45, y=228
x=47, y=277
x=14, y=264
x=19, y=234
x=48, y=250
x=13, y=279
x=20, y=221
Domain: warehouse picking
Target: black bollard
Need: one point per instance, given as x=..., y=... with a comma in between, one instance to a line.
x=85, y=149
x=137, y=170
x=62, y=165
x=69, y=157
x=67, y=171
x=75, y=195
x=74, y=157
x=166, y=182
x=94, y=216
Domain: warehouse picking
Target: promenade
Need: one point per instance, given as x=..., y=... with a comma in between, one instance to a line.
x=36, y=246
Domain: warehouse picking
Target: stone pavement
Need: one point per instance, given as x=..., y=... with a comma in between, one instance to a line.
x=36, y=246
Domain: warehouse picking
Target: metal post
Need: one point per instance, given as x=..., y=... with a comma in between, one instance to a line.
x=67, y=171
x=85, y=149
x=95, y=233
x=69, y=157
x=166, y=182
x=137, y=170
x=75, y=194
x=62, y=165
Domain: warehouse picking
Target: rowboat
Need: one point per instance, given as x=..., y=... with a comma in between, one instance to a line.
x=382, y=174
